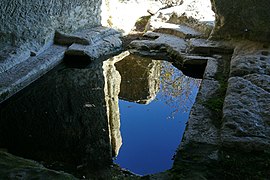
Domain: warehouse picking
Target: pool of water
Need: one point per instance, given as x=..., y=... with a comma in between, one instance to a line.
x=154, y=109
x=128, y=108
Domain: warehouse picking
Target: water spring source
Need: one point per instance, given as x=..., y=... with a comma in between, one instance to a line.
x=127, y=107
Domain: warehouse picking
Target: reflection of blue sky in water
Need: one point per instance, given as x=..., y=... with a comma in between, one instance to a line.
x=177, y=90
x=150, y=134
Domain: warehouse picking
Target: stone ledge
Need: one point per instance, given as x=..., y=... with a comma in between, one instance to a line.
x=21, y=75
x=87, y=36
x=103, y=47
x=11, y=56
x=20, y=69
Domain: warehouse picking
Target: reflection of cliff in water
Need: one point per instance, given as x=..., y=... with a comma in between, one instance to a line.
x=140, y=79
x=151, y=133
x=112, y=88
x=70, y=115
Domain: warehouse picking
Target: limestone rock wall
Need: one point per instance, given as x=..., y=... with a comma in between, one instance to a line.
x=242, y=19
x=33, y=22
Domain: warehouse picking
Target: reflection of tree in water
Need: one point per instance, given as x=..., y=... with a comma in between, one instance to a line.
x=176, y=89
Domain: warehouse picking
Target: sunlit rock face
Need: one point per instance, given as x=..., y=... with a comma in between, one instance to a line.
x=67, y=117
x=140, y=79
x=33, y=23
x=123, y=14
x=195, y=14
x=242, y=19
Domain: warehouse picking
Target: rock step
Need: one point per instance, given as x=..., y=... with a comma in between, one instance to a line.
x=92, y=42
x=88, y=36
x=102, y=47
x=22, y=74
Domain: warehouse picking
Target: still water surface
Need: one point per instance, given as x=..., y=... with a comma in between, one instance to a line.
x=152, y=130
x=129, y=108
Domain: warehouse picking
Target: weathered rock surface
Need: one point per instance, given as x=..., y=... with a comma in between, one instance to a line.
x=228, y=129
x=169, y=3
x=12, y=167
x=242, y=19
x=32, y=24
x=85, y=36
x=185, y=53
x=104, y=47
x=246, y=114
x=259, y=80
x=28, y=29
x=250, y=58
x=200, y=127
x=11, y=56
x=221, y=133
x=199, y=148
